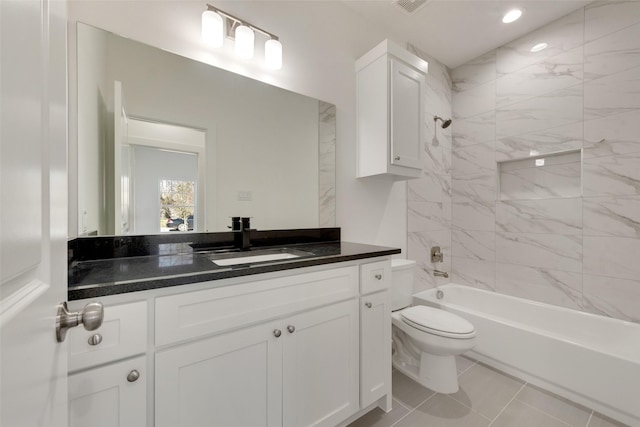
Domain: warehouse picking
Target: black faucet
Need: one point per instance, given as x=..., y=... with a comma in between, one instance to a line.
x=241, y=228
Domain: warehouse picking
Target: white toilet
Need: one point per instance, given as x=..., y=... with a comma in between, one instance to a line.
x=425, y=339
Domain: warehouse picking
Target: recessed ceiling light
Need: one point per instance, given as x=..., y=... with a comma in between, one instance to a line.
x=511, y=16
x=539, y=47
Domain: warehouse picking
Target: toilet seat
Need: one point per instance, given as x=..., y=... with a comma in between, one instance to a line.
x=438, y=322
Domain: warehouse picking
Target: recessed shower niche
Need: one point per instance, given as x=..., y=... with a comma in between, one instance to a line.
x=541, y=177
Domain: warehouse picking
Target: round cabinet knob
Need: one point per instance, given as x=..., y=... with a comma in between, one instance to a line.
x=396, y=158
x=291, y=329
x=368, y=304
x=277, y=333
x=133, y=376
x=95, y=339
x=378, y=276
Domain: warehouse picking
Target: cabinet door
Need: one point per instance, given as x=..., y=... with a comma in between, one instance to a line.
x=227, y=380
x=105, y=397
x=406, y=115
x=320, y=366
x=375, y=350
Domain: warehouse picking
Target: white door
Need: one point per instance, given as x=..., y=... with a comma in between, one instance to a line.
x=230, y=380
x=33, y=212
x=320, y=366
x=110, y=396
x=406, y=115
x=375, y=347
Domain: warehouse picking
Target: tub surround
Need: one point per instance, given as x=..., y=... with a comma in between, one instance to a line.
x=104, y=266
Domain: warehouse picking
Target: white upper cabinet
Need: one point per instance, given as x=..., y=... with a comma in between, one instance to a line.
x=390, y=112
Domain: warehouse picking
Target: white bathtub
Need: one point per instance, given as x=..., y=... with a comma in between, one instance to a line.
x=590, y=359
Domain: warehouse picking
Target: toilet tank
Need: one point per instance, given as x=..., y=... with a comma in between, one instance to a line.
x=402, y=271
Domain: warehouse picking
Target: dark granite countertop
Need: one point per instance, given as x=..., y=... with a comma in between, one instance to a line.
x=100, y=277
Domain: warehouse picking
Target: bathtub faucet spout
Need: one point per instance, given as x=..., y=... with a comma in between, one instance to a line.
x=439, y=273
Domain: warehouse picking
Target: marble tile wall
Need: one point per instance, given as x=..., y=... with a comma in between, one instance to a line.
x=327, y=164
x=429, y=198
x=581, y=92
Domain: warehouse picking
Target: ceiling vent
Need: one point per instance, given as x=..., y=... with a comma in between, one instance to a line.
x=411, y=6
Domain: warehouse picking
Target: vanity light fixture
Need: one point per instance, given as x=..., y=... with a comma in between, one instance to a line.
x=511, y=16
x=216, y=24
x=539, y=47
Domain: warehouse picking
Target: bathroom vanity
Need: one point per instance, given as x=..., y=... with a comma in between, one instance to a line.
x=291, y=342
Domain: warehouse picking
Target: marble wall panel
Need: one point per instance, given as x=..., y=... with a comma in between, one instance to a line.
x=473, y=272
x=552, y=74
x=614, y=94
x=546, y=111
x=608, y=16
x=612, y=257
x=473, y=216
x=474, y=130
x=425, y=216
x=558, y=216
x=561, y=35
x=551, y=251
x=543, y=182
x=611, y=135
x=545, y=285
x=475, y=188
x=480, y=245
x=612, y=297
x=613, y=53
x=474, y=159
x=430, y=188
x=475, y=72
x=548, y=140
x=474, y=101
x=612, y=216
x=611, y=176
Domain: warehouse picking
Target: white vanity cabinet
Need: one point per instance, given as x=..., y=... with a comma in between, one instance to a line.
x=375, y=333
x=308, y=347
x=107, y=384
x=390, y=112
x=284, y=353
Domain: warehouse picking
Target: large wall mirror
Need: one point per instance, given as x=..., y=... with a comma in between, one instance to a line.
x=168, y=144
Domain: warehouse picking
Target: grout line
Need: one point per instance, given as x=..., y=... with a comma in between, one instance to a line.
x=401, y=404
x=589, y=420
x=470, y=366
x=412, y=410
x=543, y=412
x=508, y=403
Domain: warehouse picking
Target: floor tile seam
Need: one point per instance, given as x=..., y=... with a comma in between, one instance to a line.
x=546, y=413
x=469, y=367
x=508, y=403
x=590, y=417
x=469, y=407
x=411, y=410
x=402, y=404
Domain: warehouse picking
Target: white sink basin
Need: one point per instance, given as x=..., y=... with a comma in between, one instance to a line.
x=253, y=258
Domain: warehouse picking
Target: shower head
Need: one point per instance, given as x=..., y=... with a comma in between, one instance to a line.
x=445, y=123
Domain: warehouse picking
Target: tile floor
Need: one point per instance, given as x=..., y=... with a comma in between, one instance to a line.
x=486, y=398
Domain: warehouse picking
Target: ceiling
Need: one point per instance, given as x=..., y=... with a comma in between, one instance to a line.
x=456, y=31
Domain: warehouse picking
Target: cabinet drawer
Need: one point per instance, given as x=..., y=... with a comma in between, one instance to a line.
x=109, y=395
x=123, y=333
x=375, y=276
x=185, y=316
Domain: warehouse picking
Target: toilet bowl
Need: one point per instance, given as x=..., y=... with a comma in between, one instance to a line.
x=426, y=339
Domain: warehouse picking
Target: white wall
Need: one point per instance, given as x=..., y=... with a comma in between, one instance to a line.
x=321, y=41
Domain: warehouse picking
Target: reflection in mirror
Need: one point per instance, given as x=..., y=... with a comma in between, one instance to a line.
x=263, y=152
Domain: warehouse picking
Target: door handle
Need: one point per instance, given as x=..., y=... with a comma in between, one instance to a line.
x=90, y=317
